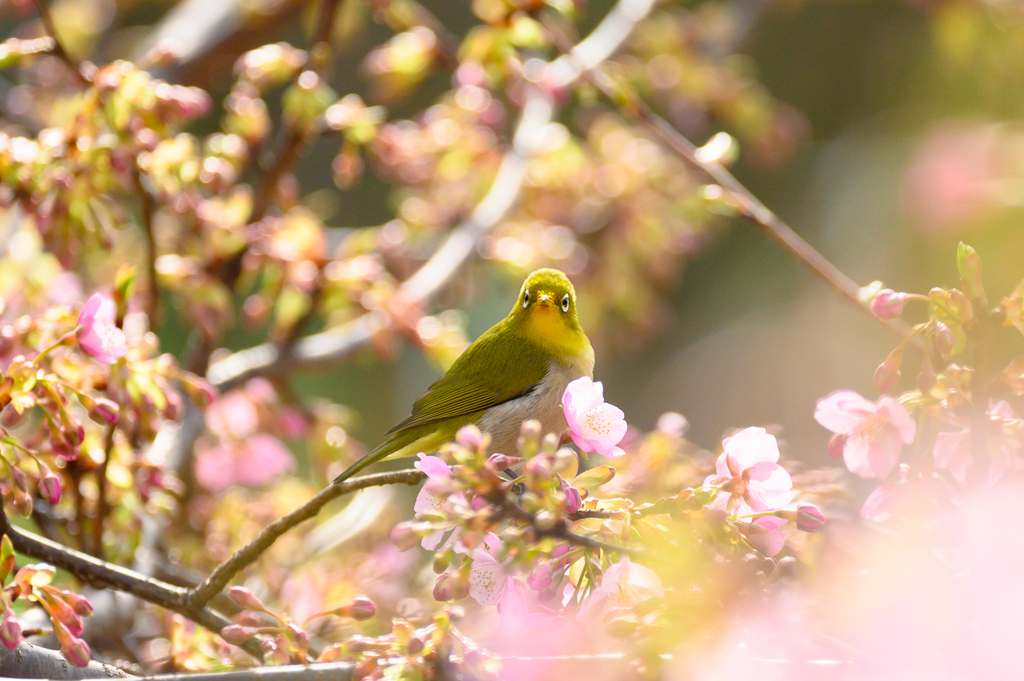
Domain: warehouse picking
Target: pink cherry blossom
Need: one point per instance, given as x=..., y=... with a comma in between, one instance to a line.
x=432, y=496
x=98, y=334
x=594, y=425
x=622, y=586
x=748, y=475
x=904, y=495
x=874, y=433
x=254, y=462
x=954, y=450
x=492, y=583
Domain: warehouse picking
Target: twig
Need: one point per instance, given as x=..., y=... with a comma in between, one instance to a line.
x=148, y=208
x=102, y=503
x=99, y=572
x=225, y=572
x=328, y=671
x=334, y=345
x=58, y=46
x=560, y=530
x=745, y=202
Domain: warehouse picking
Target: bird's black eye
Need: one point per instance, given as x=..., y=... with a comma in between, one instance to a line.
x=526, y=299
x=565, y=303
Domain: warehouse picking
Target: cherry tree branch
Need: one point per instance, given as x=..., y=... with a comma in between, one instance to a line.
x=101, y=573
x=29, y=661
x=332, y=346
x=58, y=47
x=748, y=205
x=560, y=530
x=247, y=555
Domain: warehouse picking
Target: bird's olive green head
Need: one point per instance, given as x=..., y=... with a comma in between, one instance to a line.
x=546, y=312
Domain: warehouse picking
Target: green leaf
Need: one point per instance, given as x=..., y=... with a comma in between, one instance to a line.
x=6, y=558
x=968, y=264
x=595, y=477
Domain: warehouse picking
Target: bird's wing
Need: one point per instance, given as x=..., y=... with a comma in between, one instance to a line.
x=488, y=373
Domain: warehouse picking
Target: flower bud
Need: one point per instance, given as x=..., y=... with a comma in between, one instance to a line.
x=10, y=629
x=539, y=468
x=415, y=645
x=886, y=375
x=49, y=487
x=80, y=604
x=499, y=462
x=470, y=437
x=76, y=652
x=888, y=304
x=405, y=536
x=236, y=634
x=442, y=559
x=540, y=578
x=943, y=338
x=246, y=598
x=444, y=587
x=361, y=608
x=22, y=503
x=104, y=411
x=248, y=618
x=836, y=446
x=573, y=499
x=298, y=635
x=63, y=612
x=809, y=518
x=703, y=496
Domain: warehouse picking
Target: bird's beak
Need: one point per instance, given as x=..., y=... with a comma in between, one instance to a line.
x=546, y=299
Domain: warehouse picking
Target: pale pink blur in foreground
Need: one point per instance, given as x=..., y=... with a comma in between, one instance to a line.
x=928, y=596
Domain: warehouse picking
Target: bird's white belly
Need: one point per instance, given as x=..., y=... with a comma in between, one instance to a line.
x=544, y=404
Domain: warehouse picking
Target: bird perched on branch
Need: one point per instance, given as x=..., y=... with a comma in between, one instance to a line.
x=517, y=370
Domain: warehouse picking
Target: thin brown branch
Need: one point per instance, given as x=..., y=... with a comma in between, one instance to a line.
x=28, y=661
x=225, y=572
x=100, y=573
x=747, y=205
x=147, y=207
x=102, y=502
x=58, y=47
x=560, y=530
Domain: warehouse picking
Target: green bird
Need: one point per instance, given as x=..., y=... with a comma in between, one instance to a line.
x=517, y=370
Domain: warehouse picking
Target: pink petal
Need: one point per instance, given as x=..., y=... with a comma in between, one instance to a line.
x=770, y=487
x=433, y=466
x=873, y=457
x=880, y=504
x=580, y=396
x=513, y=607
x=842, y=411
x=750, y=446
x=899, y=417
x=771, y=541
x=953, y=451
x=487, y=579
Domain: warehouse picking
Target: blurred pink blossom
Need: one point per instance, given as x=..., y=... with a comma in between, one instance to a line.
x=766, y=535
x=98, y=334
x=594, y=425
x=491, y=583
x=748, y=475
x=234, y=416
x=874, y=433
x=954, y=449
x=951, y=181
x=254, y=462
x=623, y=585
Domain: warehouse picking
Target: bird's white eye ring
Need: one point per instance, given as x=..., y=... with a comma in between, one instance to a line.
x=565, y=303
x=526, y=298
